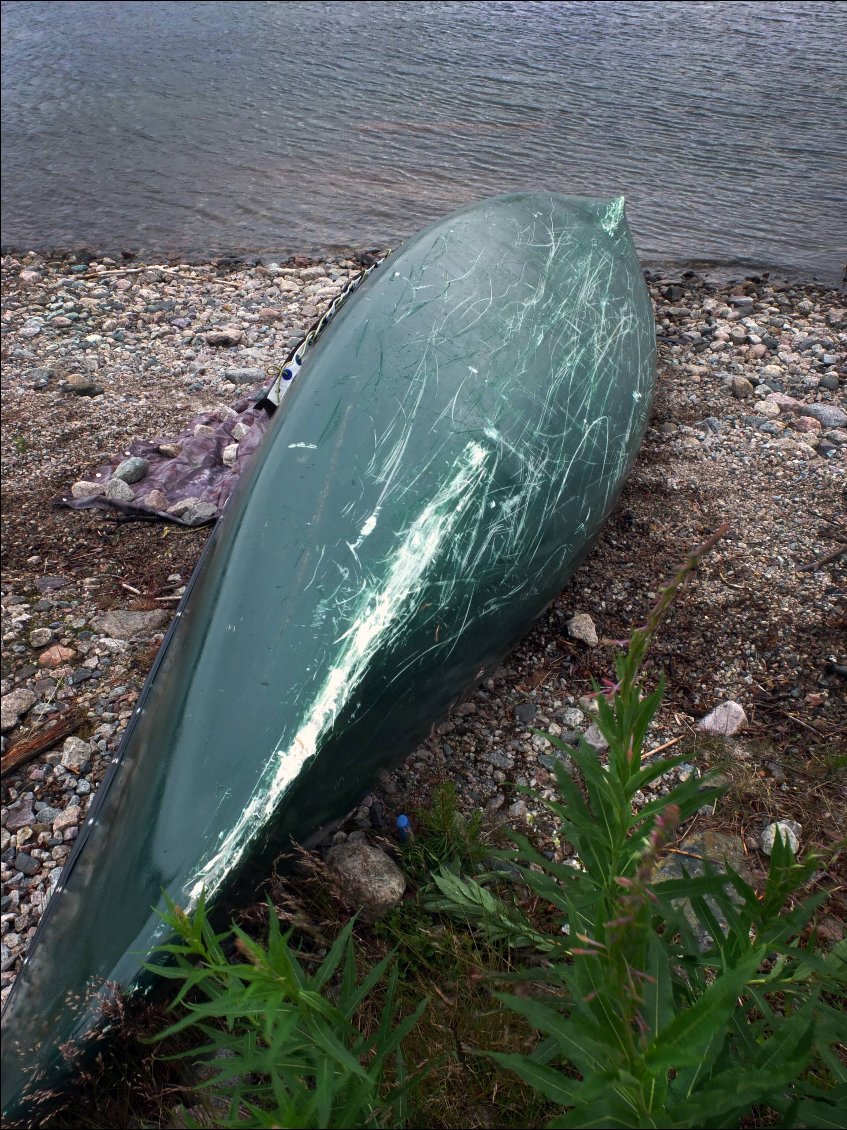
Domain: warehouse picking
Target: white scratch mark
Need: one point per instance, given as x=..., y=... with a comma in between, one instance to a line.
x=374, y=624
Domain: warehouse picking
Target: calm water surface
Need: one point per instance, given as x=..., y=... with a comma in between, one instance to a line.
x=279, y=127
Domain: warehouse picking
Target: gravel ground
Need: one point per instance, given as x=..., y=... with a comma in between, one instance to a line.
x=749, y=427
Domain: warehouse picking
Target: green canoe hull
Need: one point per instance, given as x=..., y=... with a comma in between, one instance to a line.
x=430, y=481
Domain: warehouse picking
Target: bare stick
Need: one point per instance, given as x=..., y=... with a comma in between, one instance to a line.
x=29, y=748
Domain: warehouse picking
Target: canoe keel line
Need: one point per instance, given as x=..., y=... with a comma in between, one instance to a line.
x=450, y=452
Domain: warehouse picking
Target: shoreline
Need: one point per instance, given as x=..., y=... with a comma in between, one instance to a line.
x=722, y=272
x=99, y=353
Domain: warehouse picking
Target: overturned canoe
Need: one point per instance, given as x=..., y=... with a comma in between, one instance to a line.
x=432, y=478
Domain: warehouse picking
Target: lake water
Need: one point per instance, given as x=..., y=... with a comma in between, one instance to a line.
x=292, y=127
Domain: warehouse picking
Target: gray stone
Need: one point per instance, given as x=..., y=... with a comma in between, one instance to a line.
x=229, y=454
x=75, y=754
x=526, y=712
x=498, y=760
x=124, y=624
x=119, y=491
x=725, y=720
x=370, y=879
x=193, y=511
x=132, y=470
x=572, y=718
x=829, y=381
x=581, y=627
x=51, y=584
x=721, y=852
x=40, y=637
x=789, y=830
x=766, y=408
x=829, y=415
x=14, y=705
x=595, y=739
x=26, y=864
x=47, y=814
x=518, y=810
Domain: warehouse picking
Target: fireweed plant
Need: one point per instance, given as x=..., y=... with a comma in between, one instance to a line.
x=684, y=1002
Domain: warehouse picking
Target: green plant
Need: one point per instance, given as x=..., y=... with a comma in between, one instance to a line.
x=657, y=1021
x=282, y=1044
x=442, y=835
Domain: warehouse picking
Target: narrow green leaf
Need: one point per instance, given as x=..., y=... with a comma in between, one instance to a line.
x=552, y=1084
x=684, y=1041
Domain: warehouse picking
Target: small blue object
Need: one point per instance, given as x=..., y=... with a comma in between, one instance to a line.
x=404, y=829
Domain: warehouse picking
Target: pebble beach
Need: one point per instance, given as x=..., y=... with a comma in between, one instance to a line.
x=749, y=428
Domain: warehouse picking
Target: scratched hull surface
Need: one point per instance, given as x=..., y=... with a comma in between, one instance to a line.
x=427, y=486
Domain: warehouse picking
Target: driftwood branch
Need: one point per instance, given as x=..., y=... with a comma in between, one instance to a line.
x=826, y=560
x=30, y=747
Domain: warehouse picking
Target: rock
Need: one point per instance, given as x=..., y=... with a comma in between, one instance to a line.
x=83, y=385
x=725, y=720
x=518, y=810
x=75, y=754
x=40, y=637
x=55, y=656
x=240, y=431
x=19, y=814
x=581, y=627
x=702, y=848
x=155, y=500
x=498, y=759
x=243, y=376
x=830, y=381
x=51, y=584
x=784, y=402
x=170, y=450
x=205, y=430
x=193, y=511
x=806, y=424
x=119, y=491
x=370, y=879
x=125, y=624
x=229, y=454
x=738, y=335
x=71, y=817
x=132, y=470
x=86, y=489
x=26, y=863
x=29, y=278
x=229, y=336
x=572, y=718
x=741, y=387
x=789, y=830
x=41, y=377
x=829, y=415
x=14, y=705
x=595, y=739
x=526, y=712
x=766, y=408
